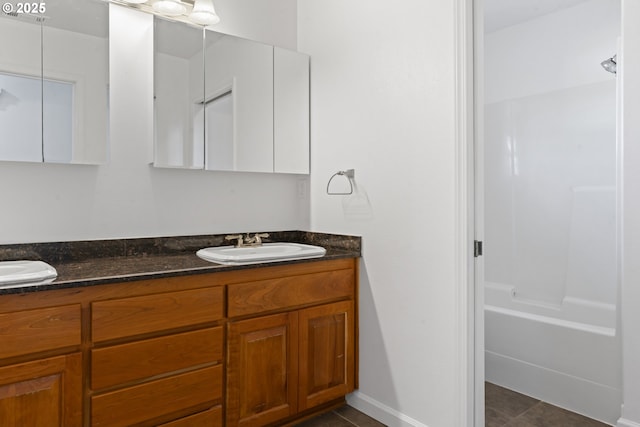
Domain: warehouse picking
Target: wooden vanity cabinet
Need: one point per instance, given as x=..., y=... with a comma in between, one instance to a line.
x=262, y=370
x=40, y=366
x=326, y=353
x=43, y=392
x=283, y=364
x=146, y=369
x=259, y=346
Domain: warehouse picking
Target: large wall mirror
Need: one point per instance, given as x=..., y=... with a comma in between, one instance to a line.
x=229, y=104
x=54, y=74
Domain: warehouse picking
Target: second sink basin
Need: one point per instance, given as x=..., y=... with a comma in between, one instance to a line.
x=267, y=252
x=16, y=274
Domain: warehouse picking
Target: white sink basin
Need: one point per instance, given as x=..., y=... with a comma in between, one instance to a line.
x=268, y=252
x=15, y=274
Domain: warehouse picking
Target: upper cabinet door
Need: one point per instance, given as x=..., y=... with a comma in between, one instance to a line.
x=225, y=103
x=54, y=77
x=291, y=111
x=238, y=104
x=178, y=95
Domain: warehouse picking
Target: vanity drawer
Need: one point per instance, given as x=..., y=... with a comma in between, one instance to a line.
x=132, y=316
x=123, y=363
x=210, y=418
x=42, y=329
x=134, y=405
x=287, y=292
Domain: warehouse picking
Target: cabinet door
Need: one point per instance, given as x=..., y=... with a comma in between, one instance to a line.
x=42, y=393
x=261, y=370
x=326, y=354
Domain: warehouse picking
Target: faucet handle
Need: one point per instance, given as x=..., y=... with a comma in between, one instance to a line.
x=259, y=236
x=237, y=237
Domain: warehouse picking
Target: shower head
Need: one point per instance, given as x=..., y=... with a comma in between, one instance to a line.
x=610, y=64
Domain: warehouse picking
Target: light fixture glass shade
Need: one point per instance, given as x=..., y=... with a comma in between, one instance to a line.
x=169, y=7
x=204, y=13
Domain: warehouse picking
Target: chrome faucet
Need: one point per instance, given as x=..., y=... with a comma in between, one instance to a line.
x=242, y=241
x=238, y=237
x=256, y=240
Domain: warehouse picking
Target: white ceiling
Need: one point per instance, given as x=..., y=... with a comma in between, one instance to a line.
x=499, y=14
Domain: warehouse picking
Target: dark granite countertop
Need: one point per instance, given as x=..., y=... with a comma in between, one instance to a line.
x=87, y=263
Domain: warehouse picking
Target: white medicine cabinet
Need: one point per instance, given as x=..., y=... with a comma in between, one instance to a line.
x=228, y=104
x=54, y=74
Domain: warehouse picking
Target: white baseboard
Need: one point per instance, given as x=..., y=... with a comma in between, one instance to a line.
x=622, y=422
x=380, y=411
x=585, y=397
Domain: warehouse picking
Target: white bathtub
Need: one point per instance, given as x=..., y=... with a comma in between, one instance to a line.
x=566, y=354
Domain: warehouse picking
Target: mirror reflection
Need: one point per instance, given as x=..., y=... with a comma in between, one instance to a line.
x=238, y=104
x=213, y=100
x=54, y=83
x=228, y=104
x=178, y=94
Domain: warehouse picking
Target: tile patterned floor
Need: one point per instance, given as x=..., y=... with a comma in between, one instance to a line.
x=503, y=408
x=506, y=408
x=344, y=416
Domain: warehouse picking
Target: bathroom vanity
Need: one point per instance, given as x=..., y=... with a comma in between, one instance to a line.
x=201, y=345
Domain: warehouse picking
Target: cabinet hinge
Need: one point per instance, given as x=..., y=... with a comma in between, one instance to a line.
x=477, y=248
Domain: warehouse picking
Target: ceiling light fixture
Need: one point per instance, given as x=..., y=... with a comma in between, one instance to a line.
x=201, y=13
x=204, y=13
x=169, y=7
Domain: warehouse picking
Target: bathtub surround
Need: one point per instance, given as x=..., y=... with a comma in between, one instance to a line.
x=556, y=363
x=550, y=209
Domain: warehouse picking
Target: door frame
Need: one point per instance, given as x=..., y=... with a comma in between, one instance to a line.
x=469, y=296
x=477, y=217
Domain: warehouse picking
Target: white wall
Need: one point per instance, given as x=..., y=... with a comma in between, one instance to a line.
x=128, y=198
x=382, y=102
x=271, y=22
x=631, y=215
